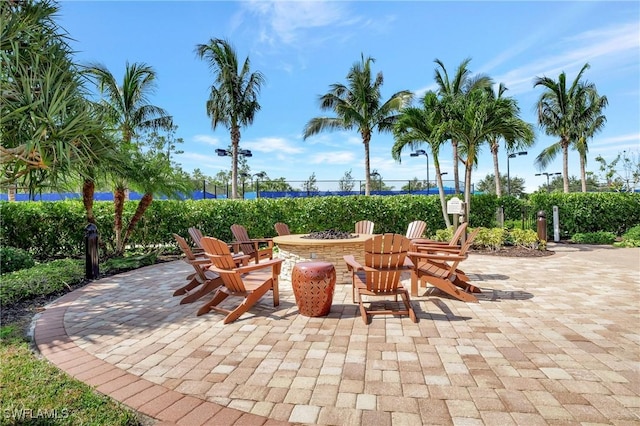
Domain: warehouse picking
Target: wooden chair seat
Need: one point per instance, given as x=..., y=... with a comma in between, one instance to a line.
x=253, y=247
x=202, y=277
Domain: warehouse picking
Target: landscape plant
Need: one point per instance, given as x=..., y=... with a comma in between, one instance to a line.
x=14, y=259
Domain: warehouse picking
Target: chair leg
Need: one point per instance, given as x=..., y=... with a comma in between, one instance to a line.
x=206, y=288
x=188, y=287
x=218, y=297
x=448, y=287
x=248, y=302
x=363, y=311
x=407, y=304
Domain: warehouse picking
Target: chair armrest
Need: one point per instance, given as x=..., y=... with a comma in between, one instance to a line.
x=352, y=263
x=440, y=256
x=254, y=266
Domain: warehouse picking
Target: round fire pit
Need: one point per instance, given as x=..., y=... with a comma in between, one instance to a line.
x=301, y=248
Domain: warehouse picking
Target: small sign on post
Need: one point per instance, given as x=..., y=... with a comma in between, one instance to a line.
x=454, y=206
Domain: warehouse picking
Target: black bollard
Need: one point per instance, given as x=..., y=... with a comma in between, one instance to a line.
x=91, y=252
x=542, y=226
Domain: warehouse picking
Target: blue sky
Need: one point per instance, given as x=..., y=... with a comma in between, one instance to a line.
x=303, y=47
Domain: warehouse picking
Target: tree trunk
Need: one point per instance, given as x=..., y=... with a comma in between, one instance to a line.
x=118, y=208
x=443, y=201
x=143, y=205
x=456, y=175
x=583, y=173
x=565, y=165
x=496, y=170
x=366, y=138
x=467, y=188
x=235, y=144
x=88, y=189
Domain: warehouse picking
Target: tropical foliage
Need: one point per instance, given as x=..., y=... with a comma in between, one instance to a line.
x=47, y=126
x=233, y=99
x=358, y=105
x=571, y=112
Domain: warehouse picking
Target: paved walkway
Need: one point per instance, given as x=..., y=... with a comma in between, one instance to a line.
x=554, y=340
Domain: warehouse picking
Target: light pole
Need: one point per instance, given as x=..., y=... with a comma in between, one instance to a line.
x=512, y=155
x=423, y=152
x=226, y=153
x=547, y=175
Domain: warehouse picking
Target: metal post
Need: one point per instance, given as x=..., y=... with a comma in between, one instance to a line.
x=556, y=224
x=542, y=226
x=91, y=252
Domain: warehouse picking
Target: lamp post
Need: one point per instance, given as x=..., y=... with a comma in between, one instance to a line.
x=547, y=175
x=417, y=153
x=512, y=155
x=227, y=153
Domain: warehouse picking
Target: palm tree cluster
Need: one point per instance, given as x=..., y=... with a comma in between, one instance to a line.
x=51, y=130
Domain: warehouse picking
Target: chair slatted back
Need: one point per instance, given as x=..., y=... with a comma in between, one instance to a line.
x=384, y=258
x=196, y=236
x=282, y=228
x=457, y=236
x=240, y=234
x=364, y=227
x=223, y=263
x=190, y=257
x=416, y=229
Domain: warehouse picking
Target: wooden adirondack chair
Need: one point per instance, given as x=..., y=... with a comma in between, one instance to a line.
x=454, y=242
x=196, y=236
x=251, y=246
x=282, y=228
x=249, y=282
x=364, y=227
x=380, y=275
x=416, y=229
x=203, y=277
x=439, y=267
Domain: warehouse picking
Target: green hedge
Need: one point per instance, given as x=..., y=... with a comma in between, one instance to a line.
x=56, y=229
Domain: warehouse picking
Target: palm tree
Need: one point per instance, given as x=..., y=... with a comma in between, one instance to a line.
x=233, y=101
x=518, y=144
x=417, y=126
x=474, y=119
x=357, y=105
x=47, y=126
x=589, y=113
x=461, y=84
x=557, y=114
x=127, y=110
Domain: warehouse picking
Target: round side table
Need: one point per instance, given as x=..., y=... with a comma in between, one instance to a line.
x=313, y=286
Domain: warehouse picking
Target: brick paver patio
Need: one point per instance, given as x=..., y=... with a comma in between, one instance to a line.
x=554, y=340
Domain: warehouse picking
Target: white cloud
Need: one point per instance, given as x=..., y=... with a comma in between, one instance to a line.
x=338, y=157
x=206, y=139
x=618, y=43
x=284, y=22
x=614, y=140
x=273, y=144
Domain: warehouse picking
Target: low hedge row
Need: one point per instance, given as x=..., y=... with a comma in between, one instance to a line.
x=56, y=229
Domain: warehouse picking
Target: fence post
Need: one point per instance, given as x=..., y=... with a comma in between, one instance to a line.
x=500, y=216
x=91, y=252
x=542, y=226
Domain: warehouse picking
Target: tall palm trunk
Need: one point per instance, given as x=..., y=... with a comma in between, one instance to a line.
x=583, y=173
x=456, y=175
x=468, y=165
x=118, y=208
x=366, y=138
x=235, y=144
x=496, y=169
x=564, y=143
x=443, y=201
x=88, y=189
x=143, y=205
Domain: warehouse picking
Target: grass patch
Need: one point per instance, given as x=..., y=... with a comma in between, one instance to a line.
x=35, y=392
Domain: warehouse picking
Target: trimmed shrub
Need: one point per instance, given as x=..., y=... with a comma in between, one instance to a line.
x=600, y=237
x=14, y=259
x=524, y=238
x=493, y=238
x=41, y=280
